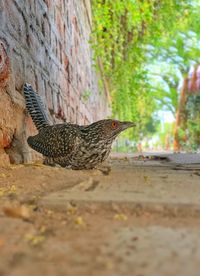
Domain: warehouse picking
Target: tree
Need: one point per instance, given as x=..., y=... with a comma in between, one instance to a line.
x=134, y=37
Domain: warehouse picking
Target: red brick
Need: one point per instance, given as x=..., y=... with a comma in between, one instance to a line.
x=48, y=46
x=46, y=29
x=18, y=68
x=48, y=94
x=59, y=22
x=4, y=65
x=15, y=21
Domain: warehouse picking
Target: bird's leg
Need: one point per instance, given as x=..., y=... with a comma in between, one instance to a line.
x=104, y=168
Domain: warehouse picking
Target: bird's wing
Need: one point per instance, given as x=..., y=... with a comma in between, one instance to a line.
x=56, y=141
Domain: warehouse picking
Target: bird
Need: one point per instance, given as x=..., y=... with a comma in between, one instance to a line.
x=78, y=147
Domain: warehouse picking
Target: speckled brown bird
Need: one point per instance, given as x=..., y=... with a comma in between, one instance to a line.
x=70, y=145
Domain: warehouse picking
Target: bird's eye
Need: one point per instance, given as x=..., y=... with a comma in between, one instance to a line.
x=114, y=125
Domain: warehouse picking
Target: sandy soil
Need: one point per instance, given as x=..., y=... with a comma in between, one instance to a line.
x=36, y=238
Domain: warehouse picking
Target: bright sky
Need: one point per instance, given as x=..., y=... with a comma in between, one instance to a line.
x=166, y=116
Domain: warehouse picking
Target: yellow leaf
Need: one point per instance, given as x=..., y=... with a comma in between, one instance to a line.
x=121, y=217
x=80, y=221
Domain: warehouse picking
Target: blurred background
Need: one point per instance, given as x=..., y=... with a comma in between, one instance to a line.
x=150, y=55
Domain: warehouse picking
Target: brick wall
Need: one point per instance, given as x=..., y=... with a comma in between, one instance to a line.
x=45, y=43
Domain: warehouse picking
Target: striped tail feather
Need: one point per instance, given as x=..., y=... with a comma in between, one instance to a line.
x=35, y=107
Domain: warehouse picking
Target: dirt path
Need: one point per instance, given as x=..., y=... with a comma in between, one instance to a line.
x=142, y=218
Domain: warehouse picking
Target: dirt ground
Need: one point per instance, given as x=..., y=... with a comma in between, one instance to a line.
x=137, y=219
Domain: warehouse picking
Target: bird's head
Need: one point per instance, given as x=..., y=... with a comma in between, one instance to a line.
x=109, y=129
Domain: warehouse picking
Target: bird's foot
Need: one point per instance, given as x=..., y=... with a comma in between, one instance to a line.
x=104, y=169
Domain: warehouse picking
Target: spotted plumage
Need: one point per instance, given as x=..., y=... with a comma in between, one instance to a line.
x=71, y=145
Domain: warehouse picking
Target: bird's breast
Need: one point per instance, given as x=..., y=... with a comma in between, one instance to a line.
x=89, y=156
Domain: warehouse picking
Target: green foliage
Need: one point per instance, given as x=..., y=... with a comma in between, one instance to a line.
x=164, y=134
x=146, y=48
x=171, y=58
x=193, y=122
x=171, y=62
x=122, y=34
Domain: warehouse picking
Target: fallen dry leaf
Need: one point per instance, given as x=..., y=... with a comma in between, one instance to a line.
x=50, y=213
x=121, y=217
x=17, y=211
x=12, y=189
x=13, y=167
x=35, y=239
x=79, y=221
x=34, y=164
x=3, y=191
x=43, y=229
x=3, y=175
x=8, y=190
x=71, y=210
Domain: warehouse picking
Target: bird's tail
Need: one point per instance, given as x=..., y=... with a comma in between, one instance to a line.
x=35, y=107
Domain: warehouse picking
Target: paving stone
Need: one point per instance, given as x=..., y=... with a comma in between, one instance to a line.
x=155, y=189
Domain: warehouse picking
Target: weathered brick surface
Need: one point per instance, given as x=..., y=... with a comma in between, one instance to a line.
x=47, y=44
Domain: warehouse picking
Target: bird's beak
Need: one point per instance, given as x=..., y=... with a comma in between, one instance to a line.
x=126, y=125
